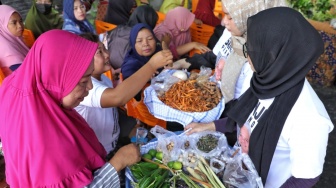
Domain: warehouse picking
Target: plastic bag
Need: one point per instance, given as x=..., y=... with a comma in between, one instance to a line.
x=204, y=75
x=189, y=158
x=162, y=82
x=168, y=143
x=241, y=173
x=217, y=165
x=209, y=143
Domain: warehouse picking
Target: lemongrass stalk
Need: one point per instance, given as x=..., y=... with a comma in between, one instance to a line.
x=209, y=176
x=207, y=166
x=194, y=174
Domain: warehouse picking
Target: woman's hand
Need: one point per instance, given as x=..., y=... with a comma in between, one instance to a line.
x=161, y=59
x=199, y=127
x=219, y=68
x=201, y=47
x=180, y=64
x=198, y=21
x=166, y=38
x=126, y=156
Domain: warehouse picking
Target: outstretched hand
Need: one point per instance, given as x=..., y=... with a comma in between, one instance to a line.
x=180, y=64
x=201, y=47
x=199, y=127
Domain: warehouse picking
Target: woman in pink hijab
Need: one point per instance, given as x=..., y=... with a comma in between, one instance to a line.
x=174, y=30
x=46, y=143
x=12, y=49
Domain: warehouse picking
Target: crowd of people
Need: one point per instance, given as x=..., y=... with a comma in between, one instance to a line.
x=59, y=113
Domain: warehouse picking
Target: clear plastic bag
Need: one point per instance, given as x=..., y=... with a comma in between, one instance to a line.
x=162, y=82
x=240, y=173
x=168, y=143
x=217, y=165
x=204, y=75
x=209, y=143
x=189, y=158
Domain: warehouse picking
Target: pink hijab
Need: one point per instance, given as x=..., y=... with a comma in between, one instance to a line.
x=176, y=24
x=44, y=144
x=12, y=49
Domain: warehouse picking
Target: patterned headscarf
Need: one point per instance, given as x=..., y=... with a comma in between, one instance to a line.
x=241, y=10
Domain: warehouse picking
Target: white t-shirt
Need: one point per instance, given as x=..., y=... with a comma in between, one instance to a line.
x=223, y=47
x=244, y=79
x=301, y=148
x=104, y=121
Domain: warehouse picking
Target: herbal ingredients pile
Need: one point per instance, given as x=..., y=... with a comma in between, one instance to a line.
x=195, y=161
x=196, y=94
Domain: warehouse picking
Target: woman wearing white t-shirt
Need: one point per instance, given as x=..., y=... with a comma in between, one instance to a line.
x=284, y=126
x=99, y=107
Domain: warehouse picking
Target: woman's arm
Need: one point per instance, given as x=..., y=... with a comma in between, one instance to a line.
x=293, y=182
x=185, y=48
x=107, y=175
x=113, y=97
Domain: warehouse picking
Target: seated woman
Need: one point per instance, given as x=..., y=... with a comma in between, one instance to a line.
x=144, y=45
x=204, y=12
x=168, y=5
x=176, y=33
x=99, y=107
x=12, y=49
x=155, y=4
x=119, y=11
x=41, y=17
x=49, y=144
x=280, y=113
x=118, y=39
x=74, y=13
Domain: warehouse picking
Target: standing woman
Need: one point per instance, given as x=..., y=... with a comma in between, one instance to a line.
x=41, y=17
x=12, y=49
x=74, y=13
x=168, y=5
x=286, y=123
x=46, y=143
x=119, y=11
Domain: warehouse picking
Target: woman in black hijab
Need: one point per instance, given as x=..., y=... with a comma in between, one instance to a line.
x=281, y=122
x=118, y=11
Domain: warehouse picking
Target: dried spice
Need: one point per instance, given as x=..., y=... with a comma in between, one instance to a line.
x=192, y=96
x=207, y=143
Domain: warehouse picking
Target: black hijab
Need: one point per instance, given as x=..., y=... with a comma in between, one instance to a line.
x=283, y=47
x=118, y=11
x=143, y=14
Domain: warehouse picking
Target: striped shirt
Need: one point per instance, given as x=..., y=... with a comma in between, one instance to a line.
x=106, y=176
